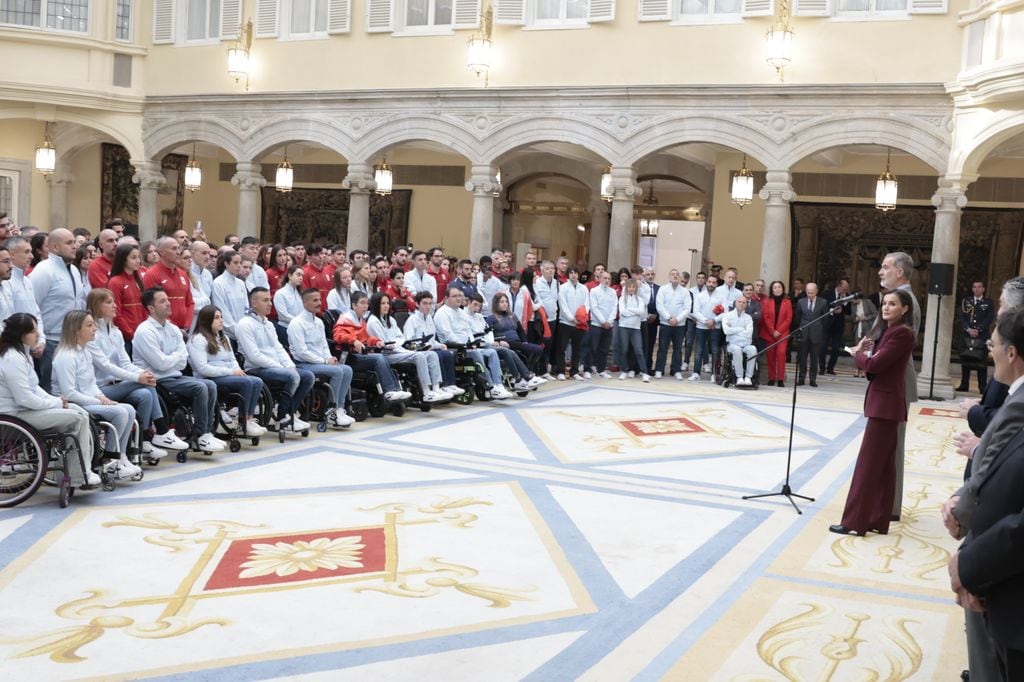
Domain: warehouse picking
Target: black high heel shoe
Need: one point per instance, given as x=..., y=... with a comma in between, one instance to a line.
x=840, y=529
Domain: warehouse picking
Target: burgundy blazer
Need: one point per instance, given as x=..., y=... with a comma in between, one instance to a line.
x=885, y=369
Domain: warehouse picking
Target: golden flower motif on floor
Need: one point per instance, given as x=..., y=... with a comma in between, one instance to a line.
x=286, y=558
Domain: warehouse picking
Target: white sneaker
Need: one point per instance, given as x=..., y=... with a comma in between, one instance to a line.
x=227, y=420
x=547, y=377
x=588, y=375
x=343, y=420
x=678, y=376
x=393, y=396
x=210, y=443
x=657, y=375
x=706, y=368
x=631, y=374
x=534, y=382
x=455, y=390
x=686, y=367
x=646, y=378
x=578, y=377
x=593, y=369
x=746, y=382
x=299, y=424
x=694, y=377
x=122, y=470
x=561, y=377
x=606, y=375
x=712, y=378
x=253, y=428
x=622, y=376
x=92, y=478
x=432, y=397
x=149, y=452
x=523, y=385
x=169, y=441
x=499, y=393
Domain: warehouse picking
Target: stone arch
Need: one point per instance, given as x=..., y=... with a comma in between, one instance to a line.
x=976, y=139
x=551, y=128
x=113, y=132
x=673, y=167
x=261, y=141
x=534, y=164
x=913, y=137
x=162, y=138
x=741, y=135
x=378, y=139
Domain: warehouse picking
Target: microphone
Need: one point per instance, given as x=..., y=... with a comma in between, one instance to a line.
x=846, y=299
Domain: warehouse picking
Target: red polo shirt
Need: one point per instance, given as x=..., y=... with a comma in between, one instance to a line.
x=322, y=280
x=176, y=285
x=99, y=272
x=442, y=278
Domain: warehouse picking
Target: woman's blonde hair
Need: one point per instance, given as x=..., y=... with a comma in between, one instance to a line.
x=97, y=297
x=73, y=323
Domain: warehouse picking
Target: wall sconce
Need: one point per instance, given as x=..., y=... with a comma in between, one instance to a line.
x=238, y=54
x=46, y=154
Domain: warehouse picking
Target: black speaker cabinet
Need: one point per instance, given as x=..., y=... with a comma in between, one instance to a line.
x=941, y=279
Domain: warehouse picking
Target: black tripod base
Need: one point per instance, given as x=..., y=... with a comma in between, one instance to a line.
x=786, y=492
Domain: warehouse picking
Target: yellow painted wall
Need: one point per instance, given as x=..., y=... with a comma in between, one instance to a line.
x=84, y=192
x=18, y=140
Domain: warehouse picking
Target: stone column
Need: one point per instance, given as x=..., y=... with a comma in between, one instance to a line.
x=483, y=184
x=359, y=183
x=59, y=183
x=498, y=223
x=620, y=239
x=150, y=179
x=949, y=201
x=776, y=247
x=250, y=181
x=598, y=231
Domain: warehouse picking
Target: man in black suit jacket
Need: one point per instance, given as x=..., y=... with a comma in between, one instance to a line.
x=652, y=316
x=988, y=572
x=834, y=328
x=812, y=339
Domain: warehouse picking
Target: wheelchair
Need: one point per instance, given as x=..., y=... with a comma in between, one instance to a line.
x=470, y=376
x=266, y=406
x=179, y=415
x=368, y=384
x=727, y=373
x=233, y=433
x=407, y=375
x=29, y=458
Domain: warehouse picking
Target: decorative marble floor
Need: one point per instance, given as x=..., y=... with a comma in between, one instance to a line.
x=592, y=531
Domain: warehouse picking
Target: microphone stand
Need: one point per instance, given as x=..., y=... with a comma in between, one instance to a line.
x=787, y=490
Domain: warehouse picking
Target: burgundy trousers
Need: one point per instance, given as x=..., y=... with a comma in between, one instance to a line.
x=869, y=502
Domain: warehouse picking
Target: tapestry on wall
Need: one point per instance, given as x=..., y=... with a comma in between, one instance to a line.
x=119, y=196
x=321, y=216
x=831, y=241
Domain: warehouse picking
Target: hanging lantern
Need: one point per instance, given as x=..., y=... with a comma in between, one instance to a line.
x=779, y=41
x=743, y=186
x=479, y=52
x=649, y=226
x=193, y=173
x=285, y=175
x=383, y=177
x=238, y=54
x=886, y=188
x=606, y=184
x=46, y=154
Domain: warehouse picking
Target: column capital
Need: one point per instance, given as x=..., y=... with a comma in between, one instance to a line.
x=949, y=198
x=483, y=180
x=248, y=176
x=60, y=179
x=623, y=185
x=148, y=175
x=359, y=179
x=777, y=188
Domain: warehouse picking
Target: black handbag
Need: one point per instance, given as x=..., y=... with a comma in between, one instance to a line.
x=973, y=351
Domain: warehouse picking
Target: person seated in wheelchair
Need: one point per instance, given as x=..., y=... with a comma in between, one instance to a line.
x=455, y=329
x=350, y=332
x=211, y=357
x=509, y=332
x=267, y=359
x=160, y=347
x=383, y=325
x=308, y=345
x=73, y=378
x=523, y=378
x=121, y=380
x=21, y=397
x=419, y=326
x=738, y=327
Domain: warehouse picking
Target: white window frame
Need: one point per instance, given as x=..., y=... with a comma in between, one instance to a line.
x=182, y=7
x=871, y=14
x=401, y=9
x=43, y=16
x=131, y=23
x=710, y=17
x=562, y=22
x=286, y=23
x=15, y=177
x=21, y=171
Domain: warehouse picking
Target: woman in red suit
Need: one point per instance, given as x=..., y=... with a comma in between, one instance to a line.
x=125, y=285
x=869, y=502
x=776, y=318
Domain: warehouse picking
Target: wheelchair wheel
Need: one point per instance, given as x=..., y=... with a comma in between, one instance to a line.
x=106, y=481
x=234, y=445
x=255, y=440
x=466, y=398
x=424, y=406
x=280, y=435
x=23, y=461
x=65, y=492
x=265, y=407
x=359, y=411
x=139, y=476
x=378, y=407
x=398, y=409
x=182, y=456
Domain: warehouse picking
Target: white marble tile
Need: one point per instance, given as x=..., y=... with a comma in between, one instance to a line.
x=754, y=471
x=826, y=423
x=8, y=526
x=493, y=434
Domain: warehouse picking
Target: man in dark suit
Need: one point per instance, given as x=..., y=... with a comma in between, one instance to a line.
x=977, y=313
x=987, y=573
x=812, y=339
x=652, y=316
x=834, y=328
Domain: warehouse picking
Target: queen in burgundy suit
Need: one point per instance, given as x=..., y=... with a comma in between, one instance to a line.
x=869, y=502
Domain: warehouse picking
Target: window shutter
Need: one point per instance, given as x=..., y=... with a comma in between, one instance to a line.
x=466, y=14
x=230, y=18
x=758, y=8
x=812, y=8
x=163, y=21
x=928, y=6
x=654, y=10
x=267, y=21
x=510, y=12
x=339, y=15
x=601, y=10
x=378, y=16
